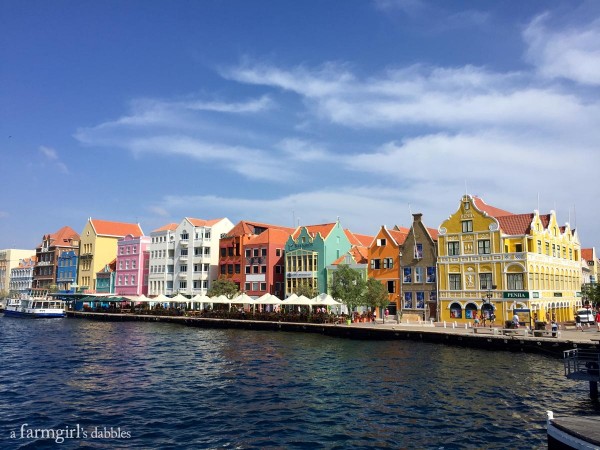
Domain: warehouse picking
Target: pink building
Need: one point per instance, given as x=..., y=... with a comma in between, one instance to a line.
x=133, y=259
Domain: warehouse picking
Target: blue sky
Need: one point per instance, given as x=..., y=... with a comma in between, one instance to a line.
x=294, y=112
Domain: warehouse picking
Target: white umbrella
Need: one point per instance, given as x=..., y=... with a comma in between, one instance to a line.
x=267, y=299
x=202, y=299
x=243, y=298
x=295, y=300
x=326, y=300
x=221, y=299
x=179, y=299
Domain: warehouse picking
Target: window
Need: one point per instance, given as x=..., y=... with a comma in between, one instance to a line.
x=467, y=226
x=539, y=247
x=184, y=235
x=547, y=248
x=223, y=269
x=420, y=300
x=255, y=252
x=230, y=269
x=407, y=275
x=453, y=248
x=518, y=248
x=132, y=279
x=120, y=265
x=238, y=268
x=381, y=242
x=263, y=269
x=223, y=252
x=554, y=250
x=375, y=264
x=455, y=282
x=418, y=251
x=515, y=281
x=229, y=251
x=197, y=251
x=206, y=234
x=254, y=269
x=126, y=280
x=247, y=286
x=133, y=264
x=391, y=286
x=183, y=268
x=418, y=274
x=431, y=274
x=408, y=303
x=263, y=286
x=388, y=263
x=485, y=281
x=466, y=205
x=248, y=253
x=263, y=252
x=127, y=265
x=277, y=252
x=183, y=285
x=255, y=286
x=278, y=269
x=483, y=247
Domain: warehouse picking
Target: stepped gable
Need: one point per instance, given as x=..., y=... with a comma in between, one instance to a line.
x=168, y=227
x=490, y=210
x=116, y=229
x=324, y=229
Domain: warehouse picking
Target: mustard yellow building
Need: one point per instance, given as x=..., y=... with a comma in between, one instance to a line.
x=491, y=260
x=98, y=247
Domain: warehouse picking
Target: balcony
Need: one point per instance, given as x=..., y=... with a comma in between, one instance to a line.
x=86, y=256
x=44, y=263
x=183, y=242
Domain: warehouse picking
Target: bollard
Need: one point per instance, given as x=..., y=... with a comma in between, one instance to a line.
x=444, y=324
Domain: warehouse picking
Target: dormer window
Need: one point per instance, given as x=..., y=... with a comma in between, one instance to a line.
x=381, y=242
x=466, y=206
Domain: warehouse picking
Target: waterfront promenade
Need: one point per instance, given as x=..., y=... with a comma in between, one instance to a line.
x=483, y=338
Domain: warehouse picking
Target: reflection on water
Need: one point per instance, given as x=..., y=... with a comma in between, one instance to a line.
x=173, y=386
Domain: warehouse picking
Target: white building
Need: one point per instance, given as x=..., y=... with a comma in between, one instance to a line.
x=9, y=259
x=21, y=278
x=184, y=258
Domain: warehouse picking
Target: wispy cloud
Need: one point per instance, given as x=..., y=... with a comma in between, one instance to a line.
x=51, y=155
x=572, y=53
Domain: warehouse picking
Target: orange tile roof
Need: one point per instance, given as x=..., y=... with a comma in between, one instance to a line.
x=359, y=255
x=491, y=210
x=587, y=254
x=246, y=228
x=399, y=236
x=168, y=227
x=202, y=222
x=312, y=230
x=515, y=224
x=116, y=229
x=359, y=239
x=433, y=233
x=65, y=235
x=272, y=236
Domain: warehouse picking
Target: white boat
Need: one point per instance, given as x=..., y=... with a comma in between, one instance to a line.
x=42, y=307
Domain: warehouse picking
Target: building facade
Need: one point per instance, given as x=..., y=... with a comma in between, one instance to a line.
x=418, y=267
x=133, y=260
x=308, y=251
x=106, y=278
x=9, y=259
x=47, y=254
x=384, y=263
x=66, y=270
x=21, y=278
x=591, y=260
x=98, y=247
x=493, y=261
x=162, y=257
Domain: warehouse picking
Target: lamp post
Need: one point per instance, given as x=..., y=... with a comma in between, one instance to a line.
x=487, y=300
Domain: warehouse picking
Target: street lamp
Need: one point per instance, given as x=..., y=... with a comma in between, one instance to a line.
x=487, y=301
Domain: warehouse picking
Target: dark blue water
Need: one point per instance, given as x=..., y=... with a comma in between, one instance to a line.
x=169, y=386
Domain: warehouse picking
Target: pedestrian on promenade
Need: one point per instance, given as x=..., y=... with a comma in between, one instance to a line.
x=598, y=319
x=476, y=320
x=516, y=320
x=578, y=323
x=554, y=328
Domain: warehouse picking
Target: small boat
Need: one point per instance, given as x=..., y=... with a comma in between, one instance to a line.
x=42, y=307
x=573, y=432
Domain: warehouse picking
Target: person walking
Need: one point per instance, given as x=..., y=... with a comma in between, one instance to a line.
x=597, y=319
x=578, y=323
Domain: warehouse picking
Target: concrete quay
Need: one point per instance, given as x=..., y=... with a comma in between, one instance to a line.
x=480, y=338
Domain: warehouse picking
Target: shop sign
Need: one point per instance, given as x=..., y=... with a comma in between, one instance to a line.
x=558, y=294
x=515, y=294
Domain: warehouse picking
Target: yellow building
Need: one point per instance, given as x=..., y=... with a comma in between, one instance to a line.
x=98, y=247
x=491, y=260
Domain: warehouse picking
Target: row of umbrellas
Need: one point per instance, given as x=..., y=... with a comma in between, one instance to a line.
x=266, y=299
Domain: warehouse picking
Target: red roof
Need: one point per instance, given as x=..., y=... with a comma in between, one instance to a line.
x=272, y=236
x=490, y=210
x=116, y=229
x=358, y=239
x=168, y=227
x=399, y=235
x=520, y=224
x=587, y=254
x=433, y=233
x=359, y=255
x=245, y=228
x=62, y=237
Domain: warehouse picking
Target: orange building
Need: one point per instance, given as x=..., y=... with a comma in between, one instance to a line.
x=384, y=262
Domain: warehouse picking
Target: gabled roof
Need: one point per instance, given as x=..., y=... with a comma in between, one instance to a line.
x=202, y=222
x=490, y=210
x=520, y=224
x=272, y=236
x=62, y=237
x=433, y=233
x=399, y=236
x=245, y=228
x=359, y=239
x=359, y=254
x=168, y=227
x=116, y=229
x=313, y=230
x=587, y=254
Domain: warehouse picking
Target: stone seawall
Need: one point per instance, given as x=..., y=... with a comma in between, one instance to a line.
x=456, y=337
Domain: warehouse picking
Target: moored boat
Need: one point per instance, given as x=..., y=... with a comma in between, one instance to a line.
x=573, y=432
x=36, y=307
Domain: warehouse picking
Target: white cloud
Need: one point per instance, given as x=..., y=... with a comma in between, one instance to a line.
x=301, y=150
x=51, y=156
x=572, y=53
x=48, y=152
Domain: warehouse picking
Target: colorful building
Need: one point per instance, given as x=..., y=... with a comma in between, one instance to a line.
x=418, y=261
x=21, y=278
x=384, y=262
x=264, y=258
x=591, y=260
x=264, y=262
x=47, y=254
x=133, y=261
x=98, y=247
x=308, y=251
x=66, y=270
x=106, y=278
x=491, y=260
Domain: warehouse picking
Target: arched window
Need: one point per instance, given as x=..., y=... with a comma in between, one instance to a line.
x=455, y=311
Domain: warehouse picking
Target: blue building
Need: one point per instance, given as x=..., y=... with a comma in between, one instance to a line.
x=66, y=271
